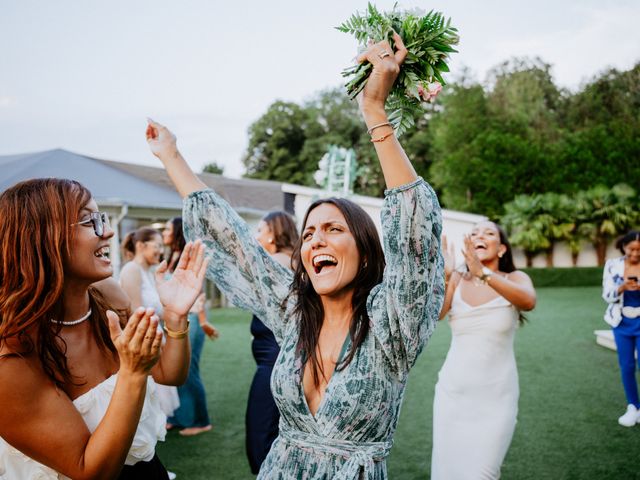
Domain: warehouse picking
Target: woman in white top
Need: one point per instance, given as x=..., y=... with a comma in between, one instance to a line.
x=476, y=399
x=77, y=394
x=145, y=246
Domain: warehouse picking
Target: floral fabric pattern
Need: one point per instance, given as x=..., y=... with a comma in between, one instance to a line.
x=352, y=431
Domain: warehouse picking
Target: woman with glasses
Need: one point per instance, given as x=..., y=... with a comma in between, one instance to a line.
x=78, y=380
x=137, y=279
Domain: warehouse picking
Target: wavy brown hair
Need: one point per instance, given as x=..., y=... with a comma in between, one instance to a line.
x=308, y=303
x=283, y=227
x=36, y=218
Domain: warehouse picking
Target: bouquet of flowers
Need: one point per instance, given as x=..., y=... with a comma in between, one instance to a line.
x=428, y=38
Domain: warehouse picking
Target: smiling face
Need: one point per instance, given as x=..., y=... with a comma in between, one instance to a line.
x=632, y=252
x=150, y=250
x=486, y=242
x=329, y=253
x=89, y=259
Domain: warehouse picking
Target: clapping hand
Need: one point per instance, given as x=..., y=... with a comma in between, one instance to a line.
x=471, y=257
x=179, y=293
x=449, y=255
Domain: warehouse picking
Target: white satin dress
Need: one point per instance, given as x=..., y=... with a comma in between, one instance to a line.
x=476, y=397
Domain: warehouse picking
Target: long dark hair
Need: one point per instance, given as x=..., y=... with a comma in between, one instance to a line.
x=36, y=218
x=178, y=243
x=624, y=240
x=505, y=263
x=283, y=228
x=308, y=306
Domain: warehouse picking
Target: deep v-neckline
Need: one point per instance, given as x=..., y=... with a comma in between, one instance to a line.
x=345, y=346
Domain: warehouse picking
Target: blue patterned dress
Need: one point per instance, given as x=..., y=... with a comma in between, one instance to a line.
x=352, y=431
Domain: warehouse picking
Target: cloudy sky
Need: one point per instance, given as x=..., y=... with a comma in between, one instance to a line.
x=84, y=75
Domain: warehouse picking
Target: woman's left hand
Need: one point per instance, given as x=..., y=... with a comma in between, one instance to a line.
x=209, y=330
x=386, y=67
x=178, y=294
x=471, y=257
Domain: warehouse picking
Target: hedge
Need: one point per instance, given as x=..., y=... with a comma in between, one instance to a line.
x=565, y=277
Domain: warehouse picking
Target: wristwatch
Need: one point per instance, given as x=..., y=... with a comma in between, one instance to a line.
x=486, y=274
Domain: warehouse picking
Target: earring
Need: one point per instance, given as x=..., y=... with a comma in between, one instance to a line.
x=500, y=255
x=270, y=240
x=364, y=264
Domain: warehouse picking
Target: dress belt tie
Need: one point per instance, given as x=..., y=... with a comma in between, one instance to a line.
x=358, y=454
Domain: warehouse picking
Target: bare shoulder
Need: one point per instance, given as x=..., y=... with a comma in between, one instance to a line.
x=38, y=418
x=113, y=293
x=130, y=270
x=519, y=276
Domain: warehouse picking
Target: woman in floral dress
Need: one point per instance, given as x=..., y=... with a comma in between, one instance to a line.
x=349, y=327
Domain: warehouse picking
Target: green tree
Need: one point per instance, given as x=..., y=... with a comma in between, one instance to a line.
x=213, y=167
x=276, y=142
x=489, y=146
x=605, y=213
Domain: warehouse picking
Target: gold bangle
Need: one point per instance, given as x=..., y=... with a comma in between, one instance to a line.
x=177, y=334
x=384, y=124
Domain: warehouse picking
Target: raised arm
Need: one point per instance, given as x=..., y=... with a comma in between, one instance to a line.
x=177, y=295
x=163, y=145
x=239, y=266
x=396, y=167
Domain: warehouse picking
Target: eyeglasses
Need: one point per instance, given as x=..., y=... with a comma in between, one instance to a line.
x=99, y=220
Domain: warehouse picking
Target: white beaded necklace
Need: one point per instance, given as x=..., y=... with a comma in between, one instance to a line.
x=73, y=322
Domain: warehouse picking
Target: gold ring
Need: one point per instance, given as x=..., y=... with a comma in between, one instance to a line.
x=383, y=54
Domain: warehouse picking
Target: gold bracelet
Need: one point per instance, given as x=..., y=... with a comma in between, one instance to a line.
x=384, y=124
x=177, y=334
x=383, y=137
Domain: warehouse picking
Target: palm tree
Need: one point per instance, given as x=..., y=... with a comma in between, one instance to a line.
x=604, y=213
x=524, y=227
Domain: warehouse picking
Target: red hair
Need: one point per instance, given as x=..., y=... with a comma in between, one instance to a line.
x=35, y=221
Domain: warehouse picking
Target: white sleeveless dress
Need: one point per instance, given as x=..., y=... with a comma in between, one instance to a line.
x=92, y=405
x=476, y=397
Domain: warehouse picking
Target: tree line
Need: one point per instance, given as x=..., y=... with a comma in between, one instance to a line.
x=480, y=144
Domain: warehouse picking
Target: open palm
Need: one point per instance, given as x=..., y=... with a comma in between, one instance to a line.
x=178, y=293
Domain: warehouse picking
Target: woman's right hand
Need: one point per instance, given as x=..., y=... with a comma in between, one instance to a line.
x=449, y=256
x=138, y=345
x=628, y=286
x=161, y=140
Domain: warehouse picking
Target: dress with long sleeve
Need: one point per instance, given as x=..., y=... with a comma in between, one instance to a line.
x=352, y=431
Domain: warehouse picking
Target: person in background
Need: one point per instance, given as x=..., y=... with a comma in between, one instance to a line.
x=621, y=290
x=192, y=416
x=277, y=234
x=137, y=279
x=476, y=398
x=77, y=379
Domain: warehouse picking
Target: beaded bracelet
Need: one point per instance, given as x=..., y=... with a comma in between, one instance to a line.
x=177, y=334
x=384, y=124
x=382, y=138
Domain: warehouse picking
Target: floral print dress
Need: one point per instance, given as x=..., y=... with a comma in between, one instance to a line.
x=352, y=431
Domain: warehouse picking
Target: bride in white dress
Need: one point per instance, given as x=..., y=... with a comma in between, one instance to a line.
x=476, y=397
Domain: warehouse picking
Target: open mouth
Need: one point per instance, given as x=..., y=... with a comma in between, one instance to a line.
x=480, y=246
x=323, y=261
x=103, y=253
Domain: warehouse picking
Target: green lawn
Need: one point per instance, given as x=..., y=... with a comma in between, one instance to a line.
x=570, y=400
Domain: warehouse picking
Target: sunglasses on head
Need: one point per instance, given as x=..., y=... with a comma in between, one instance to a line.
x=99, y=220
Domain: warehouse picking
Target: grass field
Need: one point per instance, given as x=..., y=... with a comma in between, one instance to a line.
x=570, y=399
